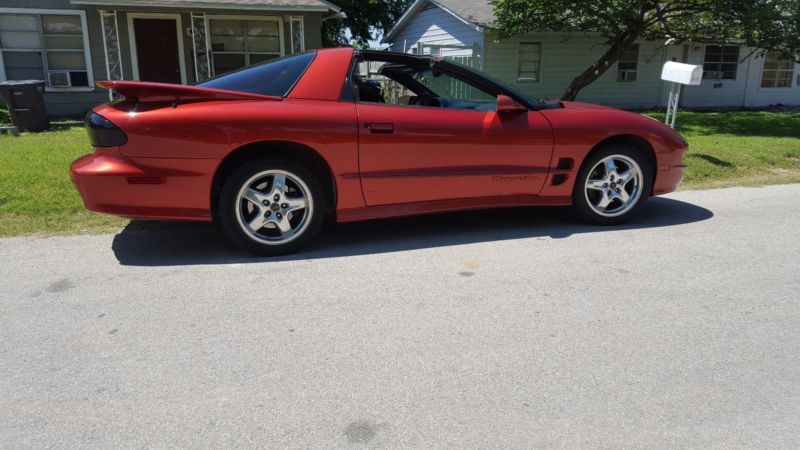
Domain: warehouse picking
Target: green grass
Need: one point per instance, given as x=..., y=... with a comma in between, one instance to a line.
x=740, y=148
x=726, y=149
x=36, y=193
x=4, y=117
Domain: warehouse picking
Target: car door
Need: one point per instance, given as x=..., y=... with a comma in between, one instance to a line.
x=415, y=153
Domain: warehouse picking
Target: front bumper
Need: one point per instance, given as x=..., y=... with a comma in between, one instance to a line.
x=670, y=169
x=145, y=188
x=668, y=178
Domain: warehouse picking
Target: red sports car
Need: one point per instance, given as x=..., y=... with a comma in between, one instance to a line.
x=272, y=149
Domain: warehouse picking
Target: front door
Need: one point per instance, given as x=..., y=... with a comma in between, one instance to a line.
x=157, y=50
x=426, y=136
x=415, y=154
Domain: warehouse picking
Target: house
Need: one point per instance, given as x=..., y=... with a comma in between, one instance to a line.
x=72, y=43
x=543, y=64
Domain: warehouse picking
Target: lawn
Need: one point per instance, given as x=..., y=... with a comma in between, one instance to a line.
x=36, y=193
x=726, y=149
x=740, y=148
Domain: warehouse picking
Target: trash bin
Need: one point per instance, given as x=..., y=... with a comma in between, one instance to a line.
x=25, y=104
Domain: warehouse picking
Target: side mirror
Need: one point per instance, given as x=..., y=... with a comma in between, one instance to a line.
x=506, y=104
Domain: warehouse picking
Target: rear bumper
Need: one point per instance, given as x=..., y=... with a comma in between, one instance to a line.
x=145, y=188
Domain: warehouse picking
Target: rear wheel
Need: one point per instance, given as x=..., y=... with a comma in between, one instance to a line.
x=612, y=185
x=271, y=207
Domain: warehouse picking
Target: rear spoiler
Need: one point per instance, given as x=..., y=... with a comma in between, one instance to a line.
x=145, y=91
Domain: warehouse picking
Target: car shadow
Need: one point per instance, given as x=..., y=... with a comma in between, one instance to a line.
x=145, y=243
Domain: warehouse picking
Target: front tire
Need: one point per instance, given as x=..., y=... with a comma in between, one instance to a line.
x=271, y=206
x=612, y=185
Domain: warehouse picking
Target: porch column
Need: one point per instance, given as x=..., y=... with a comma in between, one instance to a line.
x=297, y=34
x=113, y=55
x=202, y=67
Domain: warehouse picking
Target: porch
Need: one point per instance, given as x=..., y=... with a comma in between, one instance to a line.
x=73, y=43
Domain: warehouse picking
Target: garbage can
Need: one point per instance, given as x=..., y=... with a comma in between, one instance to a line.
x=25, y=104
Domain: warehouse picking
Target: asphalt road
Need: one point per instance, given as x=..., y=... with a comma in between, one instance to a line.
x=513, y=328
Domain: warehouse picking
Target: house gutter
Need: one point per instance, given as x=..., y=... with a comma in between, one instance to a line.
x=203, y=5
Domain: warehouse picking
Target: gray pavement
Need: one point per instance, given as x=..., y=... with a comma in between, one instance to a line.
x=511, y=328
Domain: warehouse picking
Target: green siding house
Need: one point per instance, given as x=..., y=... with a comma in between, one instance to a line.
x=70, y=44
x=544, y=63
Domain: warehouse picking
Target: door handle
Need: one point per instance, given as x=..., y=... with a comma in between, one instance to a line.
x=380, y=128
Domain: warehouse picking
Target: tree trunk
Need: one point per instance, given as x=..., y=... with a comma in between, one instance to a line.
x=619, y=45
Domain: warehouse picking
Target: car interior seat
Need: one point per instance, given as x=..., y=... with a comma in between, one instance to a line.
x=369, y=91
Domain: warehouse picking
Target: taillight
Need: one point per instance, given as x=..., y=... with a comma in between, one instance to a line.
x=103, y=133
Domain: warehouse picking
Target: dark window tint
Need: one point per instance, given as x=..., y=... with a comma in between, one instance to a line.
x=275, y=77
x=721, y=62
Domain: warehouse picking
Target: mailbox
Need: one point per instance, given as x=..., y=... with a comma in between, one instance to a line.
x=679, y=74
x=682, y=73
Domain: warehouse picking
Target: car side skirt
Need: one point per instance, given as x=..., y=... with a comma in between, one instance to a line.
x=437, y=206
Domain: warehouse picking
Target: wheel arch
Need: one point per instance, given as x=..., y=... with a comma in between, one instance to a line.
x=638, y=142
x=292, y=151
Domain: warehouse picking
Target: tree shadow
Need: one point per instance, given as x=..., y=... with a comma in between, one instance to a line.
x=175, y=243
x=712, y=160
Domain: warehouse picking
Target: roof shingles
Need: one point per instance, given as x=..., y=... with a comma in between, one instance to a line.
x=476, y=11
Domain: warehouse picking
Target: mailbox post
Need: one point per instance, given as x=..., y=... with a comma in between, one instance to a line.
x=679, y=74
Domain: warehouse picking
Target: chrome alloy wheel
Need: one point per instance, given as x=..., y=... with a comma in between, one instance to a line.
x=274, y=207
x=614, y=185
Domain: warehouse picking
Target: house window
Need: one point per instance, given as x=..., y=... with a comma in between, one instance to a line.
x=628, y=64
x=721, y=62
x=49, y=47
x=238, y=42
x=778, y=73
x=530, y=61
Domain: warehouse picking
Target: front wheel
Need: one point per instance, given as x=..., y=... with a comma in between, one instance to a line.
x=612, y=185
x=271, y=207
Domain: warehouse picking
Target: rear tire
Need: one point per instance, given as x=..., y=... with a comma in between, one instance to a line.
x=271, y=206
x=612, y=185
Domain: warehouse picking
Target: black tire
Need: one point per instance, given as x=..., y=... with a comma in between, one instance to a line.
x=232, y=208
x=586, y=202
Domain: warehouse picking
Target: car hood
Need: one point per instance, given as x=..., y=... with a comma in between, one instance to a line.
x=606, y=120
x=614, y=113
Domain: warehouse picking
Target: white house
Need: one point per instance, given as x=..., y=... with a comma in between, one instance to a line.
x=543, y=64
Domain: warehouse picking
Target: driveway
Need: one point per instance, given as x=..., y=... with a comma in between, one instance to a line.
x=512, y=328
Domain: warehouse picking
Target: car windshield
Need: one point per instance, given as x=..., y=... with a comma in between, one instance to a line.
x=275, y=77
x=512, y=89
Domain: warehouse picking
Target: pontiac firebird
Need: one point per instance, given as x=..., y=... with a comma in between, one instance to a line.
x=272, y=149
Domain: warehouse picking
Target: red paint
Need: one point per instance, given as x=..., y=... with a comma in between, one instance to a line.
x=469, y=148
x=386, y=160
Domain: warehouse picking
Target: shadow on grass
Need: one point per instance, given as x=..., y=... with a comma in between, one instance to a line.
x=168, y=244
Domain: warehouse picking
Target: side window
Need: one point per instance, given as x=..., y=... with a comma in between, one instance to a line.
x=628, y=64
x=777, y=72
x=452, y=88
x=48, y=47
x=529, y=57
x=721, y=62
x=398, y=84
